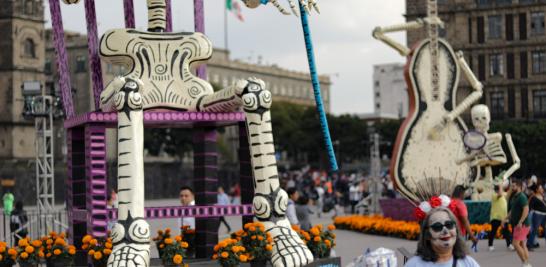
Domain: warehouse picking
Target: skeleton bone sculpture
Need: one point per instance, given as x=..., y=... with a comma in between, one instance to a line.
x=160, y=77
x=429, y=141
x=490, y=154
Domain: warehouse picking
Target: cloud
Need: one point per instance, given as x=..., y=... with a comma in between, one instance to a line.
x=341, y=36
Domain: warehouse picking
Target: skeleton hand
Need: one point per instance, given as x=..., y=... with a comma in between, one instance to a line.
x=288, y=248
x=432, y=21
x=307, y=5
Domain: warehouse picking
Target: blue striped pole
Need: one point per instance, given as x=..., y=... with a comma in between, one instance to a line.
x=316, y=88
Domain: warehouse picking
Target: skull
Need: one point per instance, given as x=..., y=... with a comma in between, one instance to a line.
x=252, y=3
x=481, y=118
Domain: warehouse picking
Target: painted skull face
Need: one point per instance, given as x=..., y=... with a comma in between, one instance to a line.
x=481, y=118
x=252, y=3
x=443, y=230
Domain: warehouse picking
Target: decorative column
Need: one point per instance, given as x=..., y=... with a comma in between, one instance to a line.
x=76, y=188
x=205, y=185
x=96, y=180
x=246, y=181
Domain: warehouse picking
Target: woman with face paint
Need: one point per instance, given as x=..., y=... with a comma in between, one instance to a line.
x=440, y=242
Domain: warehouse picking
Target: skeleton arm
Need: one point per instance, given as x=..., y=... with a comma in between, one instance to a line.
x=515, y=166
x=379, y=32
x=226, y=100
x=474, y=82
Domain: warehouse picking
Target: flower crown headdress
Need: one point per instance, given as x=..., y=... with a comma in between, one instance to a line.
x=433, y=194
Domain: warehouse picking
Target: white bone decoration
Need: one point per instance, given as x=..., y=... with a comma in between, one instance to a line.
x=490, y=154
x=160, y=77
x=430, y=140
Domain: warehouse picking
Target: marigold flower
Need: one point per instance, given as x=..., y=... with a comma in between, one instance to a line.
x=243, y=257
x=268, y=247
x=215, y=256
x=37, y=243
x=327, y=242
x=49, y=241
x=317, y=239
x=59, y=241
x=2, y=249
x=315, y=231
x=216, y=248
x=260, y=238
x=53, y=233
x=161, y=245
x=48, y=255
x=71, y=251
x=252, y=228
x=24, y=255
x=107, y=251
x=29, y=249
x=87, y=238
x=295, y=227
x=57, y=252
x=108, y=245
x=41, y=254
x=235, y=249
x=224, y=254
x=177, y=259
x=178, y=238
x=91, y=252
x=184, y=245
x=22, y=242
x=331, y=227
x=97, y=255
x=12, y=252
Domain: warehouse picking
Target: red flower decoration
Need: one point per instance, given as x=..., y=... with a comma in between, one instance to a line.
x=419, y=214
x=435, y=202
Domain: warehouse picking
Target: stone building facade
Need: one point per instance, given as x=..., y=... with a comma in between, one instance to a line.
x=504, y=43
x=22, y=55
x=390, y=91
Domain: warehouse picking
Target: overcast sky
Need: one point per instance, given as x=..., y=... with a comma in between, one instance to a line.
x=344, y=47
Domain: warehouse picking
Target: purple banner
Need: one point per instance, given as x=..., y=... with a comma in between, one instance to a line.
x=93, y=49
x=62, y=59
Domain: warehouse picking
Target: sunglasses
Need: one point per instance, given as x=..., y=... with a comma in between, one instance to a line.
x=438, y=227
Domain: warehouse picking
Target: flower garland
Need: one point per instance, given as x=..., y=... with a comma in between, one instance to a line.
x=425, y=207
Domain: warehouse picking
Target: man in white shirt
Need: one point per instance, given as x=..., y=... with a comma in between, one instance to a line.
x=187, y=199
x=293, y=196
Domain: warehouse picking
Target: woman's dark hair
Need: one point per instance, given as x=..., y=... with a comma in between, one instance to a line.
x=290, y=191
x=303, y=200
x=19, y=205
x=424, y=246
x=535, y=187
x=458, y=192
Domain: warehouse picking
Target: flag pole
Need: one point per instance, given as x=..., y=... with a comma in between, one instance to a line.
x=226, y=27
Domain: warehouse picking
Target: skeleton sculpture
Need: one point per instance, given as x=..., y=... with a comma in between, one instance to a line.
x=307, y=4
x=429, y=141
x=160, y=77
x=488, y=153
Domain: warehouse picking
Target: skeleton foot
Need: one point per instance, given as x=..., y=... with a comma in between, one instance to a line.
x=130, y=255
x=288, y=248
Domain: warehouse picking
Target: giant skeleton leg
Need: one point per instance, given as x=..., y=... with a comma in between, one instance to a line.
x=131, y=235
x=270, y=201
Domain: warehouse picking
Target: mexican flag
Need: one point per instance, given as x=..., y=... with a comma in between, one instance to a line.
x=235, y=8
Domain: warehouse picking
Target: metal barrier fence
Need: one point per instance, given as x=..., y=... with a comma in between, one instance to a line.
x=38, y=224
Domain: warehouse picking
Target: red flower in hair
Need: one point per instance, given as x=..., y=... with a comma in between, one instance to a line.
x=419, y=214
x=435, y=202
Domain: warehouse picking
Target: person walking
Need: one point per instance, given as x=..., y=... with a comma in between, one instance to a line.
x=293, y=196
x=355, y=195
x=461, y=212
x=303, y=212
x=18, y=222
x=223, y=200
x=499, y=211
x=518, y=217
x=537, y=207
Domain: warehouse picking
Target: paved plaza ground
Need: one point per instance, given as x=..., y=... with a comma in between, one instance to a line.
x=352, y=244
